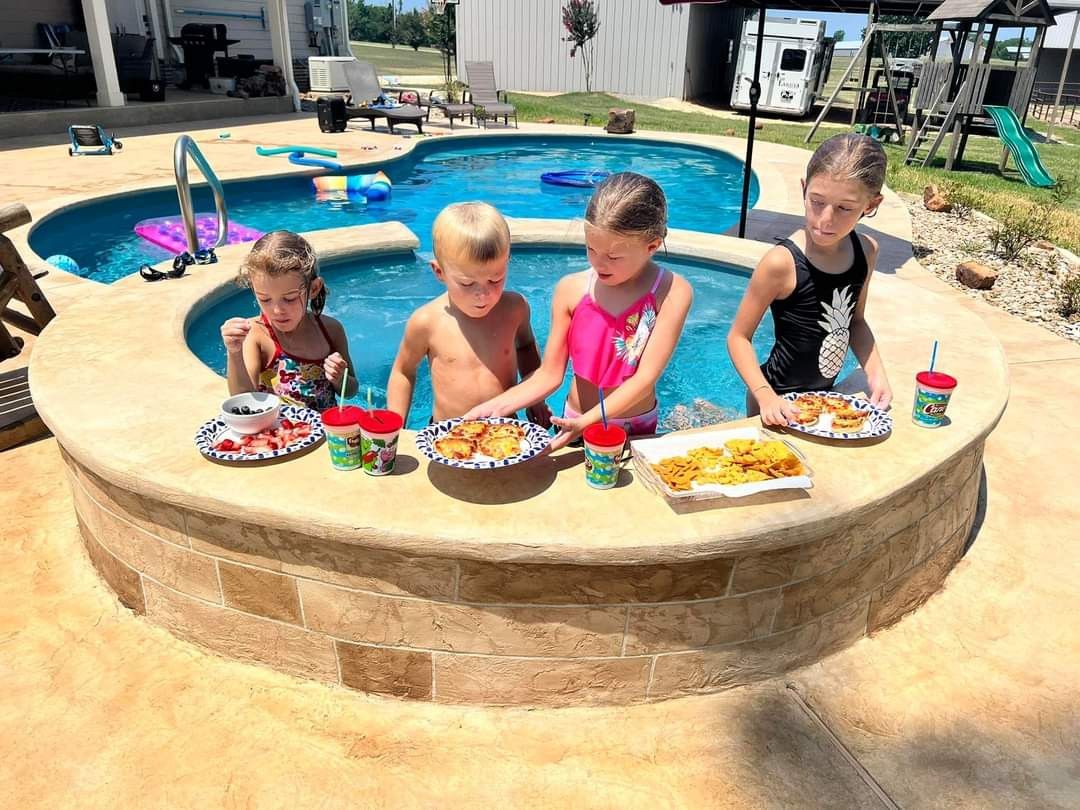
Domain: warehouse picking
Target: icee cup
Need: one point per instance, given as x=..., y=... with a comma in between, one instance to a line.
x=342, y=426
x=378, y=441
x=932, y=392
x=603, y=446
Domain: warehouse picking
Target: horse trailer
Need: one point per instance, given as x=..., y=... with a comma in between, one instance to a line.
x=795, y=59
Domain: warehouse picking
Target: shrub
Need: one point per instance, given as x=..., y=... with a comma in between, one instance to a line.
x=1018, y=228
x=963, y=199
x=1069, y=295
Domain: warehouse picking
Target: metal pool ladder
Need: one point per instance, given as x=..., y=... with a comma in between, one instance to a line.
x=185, y=147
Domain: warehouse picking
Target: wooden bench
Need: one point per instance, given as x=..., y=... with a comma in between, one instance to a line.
x=18, y=283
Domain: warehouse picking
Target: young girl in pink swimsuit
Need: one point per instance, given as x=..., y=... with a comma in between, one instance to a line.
x=616, y=323
x=291, y=349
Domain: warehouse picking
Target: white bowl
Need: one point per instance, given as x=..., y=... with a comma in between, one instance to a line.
x=266, y=405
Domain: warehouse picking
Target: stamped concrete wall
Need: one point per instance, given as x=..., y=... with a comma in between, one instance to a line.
x=500, y=633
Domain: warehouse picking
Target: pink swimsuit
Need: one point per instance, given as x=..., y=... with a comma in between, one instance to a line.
x=605, y=348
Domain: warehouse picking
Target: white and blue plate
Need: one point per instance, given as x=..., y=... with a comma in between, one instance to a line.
x=879, y=423
x=535, y=441
x=215, y=430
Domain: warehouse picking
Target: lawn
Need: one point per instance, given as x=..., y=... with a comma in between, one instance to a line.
x=996, y=194
x=399, y=61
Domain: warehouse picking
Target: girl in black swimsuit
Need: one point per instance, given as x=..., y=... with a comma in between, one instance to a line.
x=815, y=284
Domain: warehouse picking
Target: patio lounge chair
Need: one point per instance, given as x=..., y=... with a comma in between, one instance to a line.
x=483, y=93
x=452, y=111
x=364, y=87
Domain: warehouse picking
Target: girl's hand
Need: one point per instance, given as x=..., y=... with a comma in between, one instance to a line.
x=775, y=410
x=334, y=367
x=569, y=429
x=539, y=414
x=880, y=392
x=233, y=332
x=485, y=410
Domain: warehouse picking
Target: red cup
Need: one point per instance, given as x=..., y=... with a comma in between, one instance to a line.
x=932, y=393
x=378, y=440
x=343, y=436
x=603, y=447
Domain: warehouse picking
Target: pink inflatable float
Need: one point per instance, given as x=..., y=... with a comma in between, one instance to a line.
x=168, y=232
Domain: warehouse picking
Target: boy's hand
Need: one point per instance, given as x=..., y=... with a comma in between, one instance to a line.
x=334, y=367
x=233, y=332
x=880, y=392
x=569, y=429
x=539, y=414
x=775, y=410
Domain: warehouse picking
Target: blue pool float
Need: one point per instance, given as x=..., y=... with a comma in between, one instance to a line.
x=577, y=178
x=299, y=159
x=298, y=156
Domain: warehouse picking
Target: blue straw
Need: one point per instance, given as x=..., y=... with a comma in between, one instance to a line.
x=603, y=413
x=933, y=356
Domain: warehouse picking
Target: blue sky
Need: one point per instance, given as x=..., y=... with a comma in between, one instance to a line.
x=850, y=24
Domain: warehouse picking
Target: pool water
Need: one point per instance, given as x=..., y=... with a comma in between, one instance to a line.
x=702, y=186
x=374, y=298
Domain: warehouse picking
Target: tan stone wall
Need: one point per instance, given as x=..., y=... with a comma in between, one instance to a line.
x=470, y=631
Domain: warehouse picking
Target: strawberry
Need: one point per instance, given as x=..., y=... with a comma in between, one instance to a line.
x=285, y=423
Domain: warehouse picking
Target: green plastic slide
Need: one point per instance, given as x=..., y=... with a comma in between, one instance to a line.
x=1020, y=146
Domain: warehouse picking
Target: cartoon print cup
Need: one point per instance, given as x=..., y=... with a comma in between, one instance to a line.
x=343, y=436
x=378, y=442
x=932, y=392
x=603, y=447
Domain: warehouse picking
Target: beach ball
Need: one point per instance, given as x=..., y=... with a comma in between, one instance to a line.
x=62, y=262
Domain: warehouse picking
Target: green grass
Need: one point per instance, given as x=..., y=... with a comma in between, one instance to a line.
x=996, y=193
x=399, y=61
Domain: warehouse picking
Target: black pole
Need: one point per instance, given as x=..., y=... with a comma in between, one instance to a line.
x=755, y=94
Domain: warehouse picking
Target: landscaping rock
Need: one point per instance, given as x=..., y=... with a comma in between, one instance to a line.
x=759, y=125
x=934, y=199
x=620, y=121
x=546, y=120
x=976, y=276
x=1045, y=244
x=730, y=133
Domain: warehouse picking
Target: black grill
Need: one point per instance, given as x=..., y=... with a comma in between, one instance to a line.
x=200, y=42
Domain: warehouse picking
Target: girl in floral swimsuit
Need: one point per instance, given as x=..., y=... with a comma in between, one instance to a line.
x=616, y=323
x=291, y=349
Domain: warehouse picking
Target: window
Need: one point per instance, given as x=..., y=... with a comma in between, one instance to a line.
x=792, y=60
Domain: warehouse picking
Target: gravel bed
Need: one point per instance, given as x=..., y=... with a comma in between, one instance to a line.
x=1027, y=287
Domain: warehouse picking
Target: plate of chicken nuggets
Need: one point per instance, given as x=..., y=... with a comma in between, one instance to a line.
x=481, y=444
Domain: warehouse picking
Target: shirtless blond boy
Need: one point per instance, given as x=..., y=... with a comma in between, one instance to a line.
x=476, y=336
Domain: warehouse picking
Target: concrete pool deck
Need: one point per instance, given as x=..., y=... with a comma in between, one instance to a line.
x=969, y=702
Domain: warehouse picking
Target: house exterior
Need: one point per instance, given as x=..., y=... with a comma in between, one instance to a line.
x=643, y=48
x=1052, y=56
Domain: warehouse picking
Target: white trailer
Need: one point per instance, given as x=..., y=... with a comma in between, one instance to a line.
x=795, y=60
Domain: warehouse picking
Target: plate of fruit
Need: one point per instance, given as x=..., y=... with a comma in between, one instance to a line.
x=830, y=415
x=258, y=427
x=481, y=444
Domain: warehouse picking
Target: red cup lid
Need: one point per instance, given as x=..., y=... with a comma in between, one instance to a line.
x=600, y=436
x=935, y=379
x=380, y=421
x=342, y=417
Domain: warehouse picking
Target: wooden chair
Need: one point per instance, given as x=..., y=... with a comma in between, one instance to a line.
x=17, y=282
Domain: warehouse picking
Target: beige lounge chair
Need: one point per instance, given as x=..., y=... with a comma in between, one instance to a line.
x=364, y=86
x=483, y=92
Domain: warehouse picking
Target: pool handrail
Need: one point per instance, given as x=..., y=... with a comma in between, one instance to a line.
x=185, y=146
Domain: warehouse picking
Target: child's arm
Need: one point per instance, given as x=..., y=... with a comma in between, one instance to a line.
x=549, y=376
x=528, y=361
x=862, y=338
x=335, y=364
x=658, y=351
x=244, y=355
x=771, y=280
x=413, y=349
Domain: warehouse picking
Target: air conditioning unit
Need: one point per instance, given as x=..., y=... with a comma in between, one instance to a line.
x=327, y=73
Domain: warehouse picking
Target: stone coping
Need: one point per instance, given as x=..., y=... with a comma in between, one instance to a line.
x=119, y=359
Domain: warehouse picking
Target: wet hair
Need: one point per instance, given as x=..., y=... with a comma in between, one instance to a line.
x=279, y=253
x=629, y=204
x=850, y=157
x=474, y=232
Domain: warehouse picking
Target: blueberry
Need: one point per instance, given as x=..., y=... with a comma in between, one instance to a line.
x=245, y=410
x=235, y=410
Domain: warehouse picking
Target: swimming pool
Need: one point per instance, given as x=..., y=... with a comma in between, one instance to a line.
x=702, y=186
x=373, y=298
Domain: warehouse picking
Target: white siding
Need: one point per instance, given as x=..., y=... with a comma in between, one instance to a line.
x=1058, y=35
x=254, y=39
x=640, y=49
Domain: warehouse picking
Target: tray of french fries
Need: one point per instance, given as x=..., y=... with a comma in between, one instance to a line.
x=719, y=463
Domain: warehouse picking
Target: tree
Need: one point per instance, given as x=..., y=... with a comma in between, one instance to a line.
x=411, y=30
x=581, y=22
x=442, y=34
x=839, y=36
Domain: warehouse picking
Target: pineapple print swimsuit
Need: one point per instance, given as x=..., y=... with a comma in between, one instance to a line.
x=813, y=324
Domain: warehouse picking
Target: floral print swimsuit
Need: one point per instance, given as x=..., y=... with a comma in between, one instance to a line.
x=296, y=380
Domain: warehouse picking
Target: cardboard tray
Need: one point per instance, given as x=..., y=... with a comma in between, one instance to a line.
x=646, y=452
